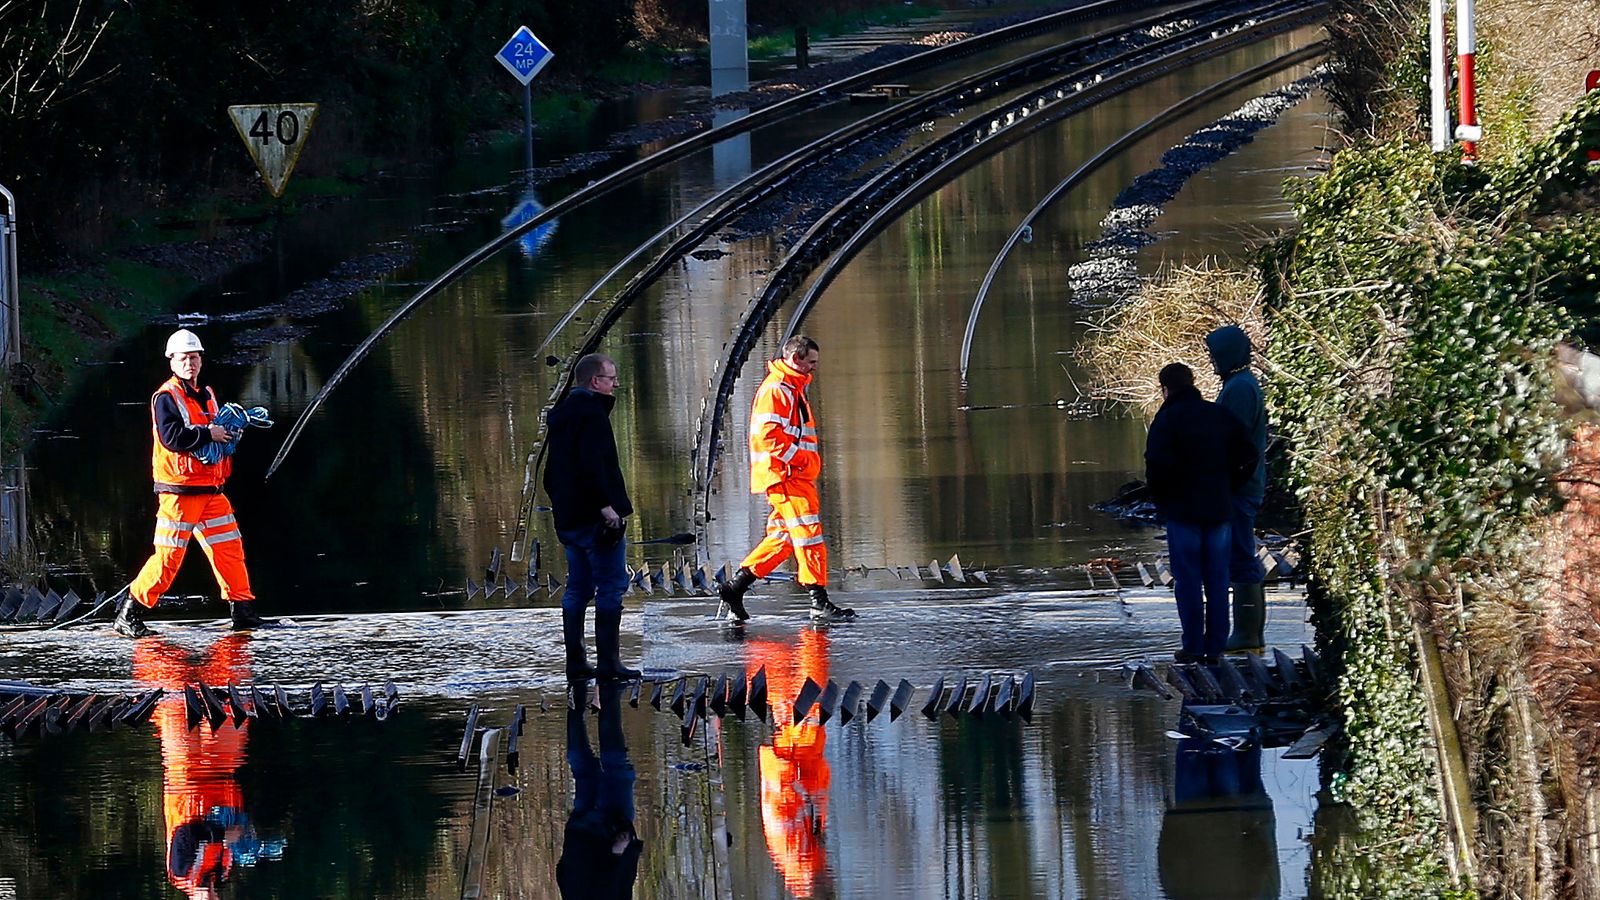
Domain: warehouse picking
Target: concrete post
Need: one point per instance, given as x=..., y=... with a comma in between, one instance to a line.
x=730, y=73
x=730, y=63
x=10, y=296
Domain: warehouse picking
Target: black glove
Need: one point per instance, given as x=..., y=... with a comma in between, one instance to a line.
x=608, y=537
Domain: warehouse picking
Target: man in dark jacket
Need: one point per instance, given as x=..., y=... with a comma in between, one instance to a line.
x=1230, y=348
x=1196, y=456
x=590, y=499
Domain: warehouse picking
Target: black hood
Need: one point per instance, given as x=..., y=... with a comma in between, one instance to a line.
x=1229, y=347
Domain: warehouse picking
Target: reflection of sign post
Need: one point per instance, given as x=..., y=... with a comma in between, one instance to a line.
x=275, y=134
x=526, y=209
x=524, y=56
x=1592, y=83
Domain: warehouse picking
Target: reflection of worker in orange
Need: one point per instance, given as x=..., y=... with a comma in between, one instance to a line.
x=785, y=461
x=191, y=501
x=794, y=771
x=208, y=831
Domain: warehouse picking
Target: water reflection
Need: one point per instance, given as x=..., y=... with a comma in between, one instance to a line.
x=1218, y=834
x=600, y=848
x=209, y=831
x=794, y=769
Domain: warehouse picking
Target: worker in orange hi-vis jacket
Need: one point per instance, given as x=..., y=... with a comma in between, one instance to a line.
x=191, y=503
x=785, y=461
x=794, y=770
x=207, y=827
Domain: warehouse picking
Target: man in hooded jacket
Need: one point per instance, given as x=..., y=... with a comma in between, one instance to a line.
x=583, y=479
x=1197, y=455
x=1241, y=395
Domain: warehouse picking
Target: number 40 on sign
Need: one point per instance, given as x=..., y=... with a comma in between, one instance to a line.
x=275, y=133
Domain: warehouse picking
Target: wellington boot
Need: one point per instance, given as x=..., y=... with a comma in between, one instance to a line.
x=1249, y=617
x=608, y=645
x=732, y=593
x=823, y=608
x=243, y=616
x=130, y=619
x=572, y=635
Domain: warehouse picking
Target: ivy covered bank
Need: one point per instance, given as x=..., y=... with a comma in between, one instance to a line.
x=1424, y=330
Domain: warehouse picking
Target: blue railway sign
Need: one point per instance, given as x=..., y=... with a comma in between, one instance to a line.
x=524, y=55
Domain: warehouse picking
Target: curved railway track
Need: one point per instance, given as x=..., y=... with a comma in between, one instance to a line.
x=768, y=115
x=852, y=223
x=1087, y=54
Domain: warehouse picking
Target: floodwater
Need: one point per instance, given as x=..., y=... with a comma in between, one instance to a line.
x=411, y=476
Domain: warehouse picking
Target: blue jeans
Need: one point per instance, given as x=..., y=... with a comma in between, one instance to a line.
x=1243, y=566
x=593, y=572
x=1200, y=565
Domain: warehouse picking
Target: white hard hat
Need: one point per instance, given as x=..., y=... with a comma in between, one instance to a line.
x=184, y=341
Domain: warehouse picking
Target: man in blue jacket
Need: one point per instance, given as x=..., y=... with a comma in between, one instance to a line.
x=1230, y=350
x=583, y=478
x=1197, y=455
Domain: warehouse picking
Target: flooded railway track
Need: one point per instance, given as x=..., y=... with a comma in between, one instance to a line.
x=856, y=220
x=769, y=115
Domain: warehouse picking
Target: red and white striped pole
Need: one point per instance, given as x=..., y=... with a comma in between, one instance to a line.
x=1468, y=131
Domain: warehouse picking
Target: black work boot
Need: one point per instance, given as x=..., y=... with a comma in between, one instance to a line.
x=243, y=614
x=130, y=619
x=732, y=593
x=607, y=645
x=823, y=608
x=572, y=635
x=1249, y=617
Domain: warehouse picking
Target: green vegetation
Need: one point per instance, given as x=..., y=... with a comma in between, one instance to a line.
x=1414, y=319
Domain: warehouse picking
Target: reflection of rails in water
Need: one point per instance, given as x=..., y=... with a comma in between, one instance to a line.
x=760, y=186
x=784, y=109
x=896, y=189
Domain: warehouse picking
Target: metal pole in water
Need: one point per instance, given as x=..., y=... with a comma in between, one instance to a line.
x=527, y=124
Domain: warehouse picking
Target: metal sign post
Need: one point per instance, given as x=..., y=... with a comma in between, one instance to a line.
x=10, y=298
x=524, y=56
x=1438, y=77
x=275, y=134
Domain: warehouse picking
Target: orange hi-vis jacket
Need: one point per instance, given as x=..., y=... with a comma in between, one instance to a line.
x=169, y=467
x=783, y=433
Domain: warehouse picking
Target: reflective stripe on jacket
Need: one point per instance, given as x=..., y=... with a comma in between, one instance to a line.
x=178, y=469
x=783, y=433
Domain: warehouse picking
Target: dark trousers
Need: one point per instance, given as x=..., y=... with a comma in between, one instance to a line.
x=1200, y=556
x=594, y=572
x=1243, y=566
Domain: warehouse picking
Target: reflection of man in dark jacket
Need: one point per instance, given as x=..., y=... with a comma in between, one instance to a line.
x=1218, y=838
x=1196, y=456
x=584, y=480
x=1241, y=395
x=600, y=850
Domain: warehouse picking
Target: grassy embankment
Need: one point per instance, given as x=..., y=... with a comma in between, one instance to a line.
x=1410, y=327
x=780, y=42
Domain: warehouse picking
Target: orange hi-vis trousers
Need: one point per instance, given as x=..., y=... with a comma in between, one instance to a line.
x=795, y=526
x=208, y=518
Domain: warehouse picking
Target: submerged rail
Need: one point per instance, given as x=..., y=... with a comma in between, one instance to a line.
x=893, y=191
x=595, y=190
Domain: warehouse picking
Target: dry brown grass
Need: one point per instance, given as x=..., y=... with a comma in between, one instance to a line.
x=1167, y=323
x=1535, y=55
